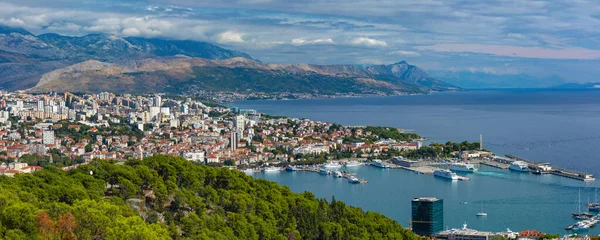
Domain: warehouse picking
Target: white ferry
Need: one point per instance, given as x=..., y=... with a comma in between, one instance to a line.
x=271, y=169
x=353, y=180
x=445, y=174
x=353, y=164
x=332, y=165
x=380, y=164
x=519, y=166
x=463, y=167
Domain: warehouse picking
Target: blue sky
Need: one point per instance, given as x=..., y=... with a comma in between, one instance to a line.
x=496, y=36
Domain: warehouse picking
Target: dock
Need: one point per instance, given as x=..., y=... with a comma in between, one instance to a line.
x=556, y=171
x=425, y=170
x=494, y=164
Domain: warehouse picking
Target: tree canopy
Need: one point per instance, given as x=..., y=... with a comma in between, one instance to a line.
x=165, y=197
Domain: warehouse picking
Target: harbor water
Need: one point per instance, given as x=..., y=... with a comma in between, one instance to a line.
x=560, y=127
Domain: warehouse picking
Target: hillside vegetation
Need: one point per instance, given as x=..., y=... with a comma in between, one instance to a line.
x=166, y=197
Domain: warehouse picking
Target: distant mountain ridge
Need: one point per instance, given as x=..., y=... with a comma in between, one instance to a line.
x=475, y=80
x=101, y=62
x=589, y=85
x=180, y=74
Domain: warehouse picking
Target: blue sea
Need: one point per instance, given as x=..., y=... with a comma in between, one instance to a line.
x=557, y=126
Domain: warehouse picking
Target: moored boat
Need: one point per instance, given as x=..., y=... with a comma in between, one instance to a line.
x=353, y=180
x=291, y=168
x=324, y=171
x=353, y=164
x=519, y=166
x=380, y=164
x=463, y=167
x=445, y=174
x=338, y=174
x=332, y=165
x=271, y=169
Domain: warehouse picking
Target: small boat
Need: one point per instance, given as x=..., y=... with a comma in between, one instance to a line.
x=519, y=166
x=380, y=164
x=353, y=164
x=353, y=180
x=270, y=169
x=594, y=206
x=445, y=174
x=463, y=167
x=290, y=168
x=324, y=171
x=332, y=165
x=338, y=174
x=482, y=213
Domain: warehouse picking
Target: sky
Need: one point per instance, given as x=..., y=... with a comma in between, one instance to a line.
x=540, y=38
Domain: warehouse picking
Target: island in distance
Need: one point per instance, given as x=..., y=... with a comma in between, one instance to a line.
x=97, y=63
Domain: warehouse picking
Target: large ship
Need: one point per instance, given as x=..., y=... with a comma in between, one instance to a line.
x=463, y=167
x=332, y=165
x=380, y=164
x=271, y=169
x=445, y=174
x=353, y=164
x=519, y=166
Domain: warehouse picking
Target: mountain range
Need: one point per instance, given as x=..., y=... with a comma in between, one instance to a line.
x=100, y=62
x=479, y=80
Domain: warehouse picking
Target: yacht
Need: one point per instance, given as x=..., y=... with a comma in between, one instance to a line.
x=463, y=167
x=271, y=169
x=594, y=206
x=519, y=166
x=445, y=174
x=332, y=165
x=290, y=168
x=380, y=164
x=353, y=180
x=353, y=163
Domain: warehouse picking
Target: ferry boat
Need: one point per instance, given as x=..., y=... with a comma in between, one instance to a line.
x=353, y=180
x=380, y=164
x=353, y=164
x=332, y=165
x=519, y=166
x=445, y=174
x=290, y=168
x=271, y=169
x=324, y=171
x=463, y=167
x=338, y=174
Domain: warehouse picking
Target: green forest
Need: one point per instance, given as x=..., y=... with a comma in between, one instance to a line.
x=165, y=197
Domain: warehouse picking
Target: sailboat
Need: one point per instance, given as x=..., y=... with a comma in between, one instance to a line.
x=594, y=206
x=482, y=213
x=579, y=214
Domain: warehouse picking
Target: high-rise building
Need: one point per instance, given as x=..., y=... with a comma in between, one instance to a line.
x=233, y=140
x=427, y=216
x=157, y=101
x=239, y=122
x=40, y=105
x=48, y=137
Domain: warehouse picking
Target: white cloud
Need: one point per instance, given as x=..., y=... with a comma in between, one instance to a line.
x=13, y=22
x=230, y=37
x=405, y=53
x=301, y=41
x=368, y=42
x=131, y=32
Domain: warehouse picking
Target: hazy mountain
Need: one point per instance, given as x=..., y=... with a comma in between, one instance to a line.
x=589, y=85
x=473, y=80
x=101, y=62
x=180, y=74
